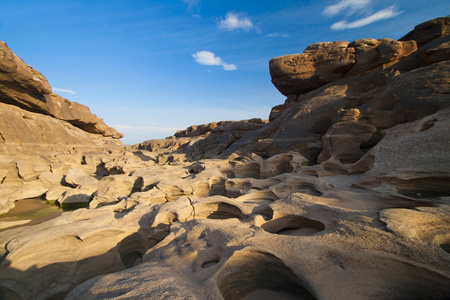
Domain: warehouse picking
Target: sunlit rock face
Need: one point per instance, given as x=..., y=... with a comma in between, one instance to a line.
x=343, y=195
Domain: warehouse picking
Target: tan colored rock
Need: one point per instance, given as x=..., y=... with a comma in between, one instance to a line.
x=112, y=188
x=31, y=171
x=56, y=193
x=372, y=53
x=76, y=177
x=32, y=189
x=34, y=133
x=5, y=202
x=50, y=179
x=319, y=64
x=75, y=198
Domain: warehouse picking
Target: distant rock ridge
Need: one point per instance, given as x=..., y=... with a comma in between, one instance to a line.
x=204, y=141
x=24, y=87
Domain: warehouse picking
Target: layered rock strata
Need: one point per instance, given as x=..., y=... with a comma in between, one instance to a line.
x=343, y=195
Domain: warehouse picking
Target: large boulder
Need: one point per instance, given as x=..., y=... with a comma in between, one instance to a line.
x=322, y=63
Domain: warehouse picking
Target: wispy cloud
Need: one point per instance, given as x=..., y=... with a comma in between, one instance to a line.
x=347, y=6
x=208, y=58
x=278, y=34
x=233, y=21
x=64, y=91
x=387, y=13
x=193, y=6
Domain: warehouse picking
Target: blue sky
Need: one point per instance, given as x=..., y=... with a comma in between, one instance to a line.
x=149, y=68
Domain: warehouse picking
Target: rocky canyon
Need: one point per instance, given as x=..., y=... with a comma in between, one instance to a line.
x=343, y=193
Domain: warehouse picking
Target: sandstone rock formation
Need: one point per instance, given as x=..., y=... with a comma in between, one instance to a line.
x=343, y=195
x=36, y=127
x=24, y=87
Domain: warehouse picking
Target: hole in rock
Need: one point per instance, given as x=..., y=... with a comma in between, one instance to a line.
x=305, y=188
x=8, y=294
x=265, y=212
x=428, y=124
x=219, y=211
x=131, y=249
x=257, y=275
x=349, y=159
x=294, y=226
x=210, y=263
x=310, y=173
x=432, y=187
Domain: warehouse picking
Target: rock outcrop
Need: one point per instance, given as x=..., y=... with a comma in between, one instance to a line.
x=344, y=194
x=24, y=87
x=37, y=128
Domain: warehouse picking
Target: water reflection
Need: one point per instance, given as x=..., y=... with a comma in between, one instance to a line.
x=29, y=212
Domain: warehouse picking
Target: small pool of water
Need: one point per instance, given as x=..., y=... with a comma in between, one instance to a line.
x=29, y=212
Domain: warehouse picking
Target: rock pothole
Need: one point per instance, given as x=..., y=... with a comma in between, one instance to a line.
x=251, y=274
x=131, y=249
x=210, y=263
x=218, y=210
x=293, y=225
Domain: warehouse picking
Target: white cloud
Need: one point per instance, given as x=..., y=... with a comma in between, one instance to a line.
x=381, y=15
x=234, y=22
x=64, y=91
x=229, y=67
x=208, y=58
x=348, y=6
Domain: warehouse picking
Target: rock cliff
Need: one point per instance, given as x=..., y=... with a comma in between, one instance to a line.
x=26, y=88
x=344, y=194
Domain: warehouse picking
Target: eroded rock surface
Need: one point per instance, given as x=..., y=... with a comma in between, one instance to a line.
x=344, y=194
